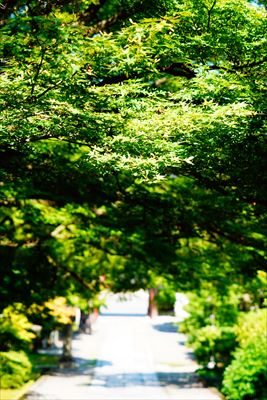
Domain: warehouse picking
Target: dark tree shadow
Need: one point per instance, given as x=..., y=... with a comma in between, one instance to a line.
x=182, y=380
x=169, y=327
x=80, y=366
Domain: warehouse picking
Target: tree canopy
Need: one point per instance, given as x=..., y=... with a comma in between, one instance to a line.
x=133, y=143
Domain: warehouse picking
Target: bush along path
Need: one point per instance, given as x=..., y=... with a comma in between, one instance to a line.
x=127, y=357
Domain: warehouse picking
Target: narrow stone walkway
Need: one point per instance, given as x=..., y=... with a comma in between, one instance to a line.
x=136, y=359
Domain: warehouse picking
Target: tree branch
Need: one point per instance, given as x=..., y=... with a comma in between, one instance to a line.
x=48, y=89
x=179, y=69
x=209, y=14
x=56, y=138
x=251, y=65
x=105, y=250
x=235, y=68
x=34, y=98
x=72, y=273
x=39, y=66
x=242, y=240
x=175, y=69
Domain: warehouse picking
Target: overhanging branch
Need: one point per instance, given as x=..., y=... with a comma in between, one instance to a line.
x=175, y=69
x=72, y=273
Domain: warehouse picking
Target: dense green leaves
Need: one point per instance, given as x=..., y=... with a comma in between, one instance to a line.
x=133, y=142
x=247, y=372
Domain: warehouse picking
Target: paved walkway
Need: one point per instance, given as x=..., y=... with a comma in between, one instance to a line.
x=136, y=359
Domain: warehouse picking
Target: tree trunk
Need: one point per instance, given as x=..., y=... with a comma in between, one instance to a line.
x=67, y=343
x=152, y=306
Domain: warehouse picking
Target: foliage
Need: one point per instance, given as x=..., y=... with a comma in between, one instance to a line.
x=15, y=328
x=245, y=377
x=211, y=305
x=165, y=300
x=248, y=330
x=217, y=323
x=165, y=293
x=210, y=325
x=132, y=140
x=16, y=394
x=15, y=369
x=59, y=309
x=214, y=345
x=133, y=145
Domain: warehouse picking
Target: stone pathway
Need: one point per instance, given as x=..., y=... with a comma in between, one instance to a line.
x=137, y=359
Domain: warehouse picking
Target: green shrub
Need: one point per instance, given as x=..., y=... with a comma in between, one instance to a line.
x=15, y=329
x=165, y=299
x=208, y=307
x=251, y=326
x=246, y=377
x=15, y=369
x=213, y=343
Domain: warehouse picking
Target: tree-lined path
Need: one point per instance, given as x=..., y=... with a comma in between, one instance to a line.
x=137, y=358
x=133, y=156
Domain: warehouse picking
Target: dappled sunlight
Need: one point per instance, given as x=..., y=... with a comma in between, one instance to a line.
x=137, y=357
